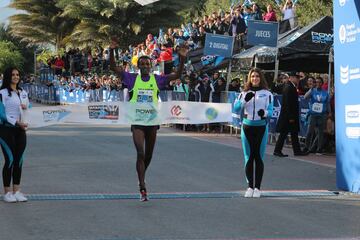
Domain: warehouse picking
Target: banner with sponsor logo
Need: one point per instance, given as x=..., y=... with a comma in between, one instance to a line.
x=130, y=113
x=347, y=85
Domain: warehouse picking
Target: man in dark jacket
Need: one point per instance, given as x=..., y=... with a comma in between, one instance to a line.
x=289, y=117
x=219, y=87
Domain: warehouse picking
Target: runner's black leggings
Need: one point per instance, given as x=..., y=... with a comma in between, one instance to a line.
x=13, y=143
x=254, y=136
x=144, y=138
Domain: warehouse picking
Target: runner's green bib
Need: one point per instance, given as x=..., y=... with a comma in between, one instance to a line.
x=145, y=91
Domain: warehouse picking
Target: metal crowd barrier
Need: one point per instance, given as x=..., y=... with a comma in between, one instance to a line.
x=229, y=97
x=60, y=95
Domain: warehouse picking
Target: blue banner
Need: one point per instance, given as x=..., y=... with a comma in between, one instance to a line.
x=303, y=108
x=219, y=45
x=276, y=112
x=347, y=85
x=304, y=116
x=263, y=33
x=231, y=97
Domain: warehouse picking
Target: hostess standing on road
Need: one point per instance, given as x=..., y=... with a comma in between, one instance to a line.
x=256, y=105
x=145, y=87
x=13, y=102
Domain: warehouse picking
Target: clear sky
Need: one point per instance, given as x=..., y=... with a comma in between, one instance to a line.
x=4, y=11
x=4, y=3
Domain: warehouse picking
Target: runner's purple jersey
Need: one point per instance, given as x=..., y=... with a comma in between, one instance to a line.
x=129, y=79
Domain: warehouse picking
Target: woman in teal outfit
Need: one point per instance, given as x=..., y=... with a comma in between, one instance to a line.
x=13, y=102
x=256, y=104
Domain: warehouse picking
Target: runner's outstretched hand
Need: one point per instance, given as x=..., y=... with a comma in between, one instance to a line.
x=183, y=50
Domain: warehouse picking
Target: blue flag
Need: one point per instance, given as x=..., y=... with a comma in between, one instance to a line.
x=247, y=3
x=234, y=3
x=161, y=39
x=218, y=60
x=208, y=59
x=278, y=2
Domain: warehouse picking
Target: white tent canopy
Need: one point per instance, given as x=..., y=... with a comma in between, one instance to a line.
x=145, y=2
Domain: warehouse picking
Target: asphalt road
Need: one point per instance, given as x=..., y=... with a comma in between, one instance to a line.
x=100, y=161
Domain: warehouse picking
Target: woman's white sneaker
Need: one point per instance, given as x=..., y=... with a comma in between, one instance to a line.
x=9, y=198
x=20, y=197
x=249, y=193
x=257, y=193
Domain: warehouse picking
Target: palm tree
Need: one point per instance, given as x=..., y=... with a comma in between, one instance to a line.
x=40, y=23
x=92, y=22
x=126, y=19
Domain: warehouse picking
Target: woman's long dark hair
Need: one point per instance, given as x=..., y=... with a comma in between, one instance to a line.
x=263, y=83
x=6, y=84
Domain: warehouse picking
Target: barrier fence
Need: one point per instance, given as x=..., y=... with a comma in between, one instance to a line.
x=229, y=97
x=60, y=95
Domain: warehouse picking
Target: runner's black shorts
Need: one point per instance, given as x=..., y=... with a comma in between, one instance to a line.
x=144, y=128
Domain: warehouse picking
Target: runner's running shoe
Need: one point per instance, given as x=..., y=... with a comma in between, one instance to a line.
x=143, y=196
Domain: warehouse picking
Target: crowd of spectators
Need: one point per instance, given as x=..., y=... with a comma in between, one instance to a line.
x=325, y=133
x=88, y=69
x=161, y=48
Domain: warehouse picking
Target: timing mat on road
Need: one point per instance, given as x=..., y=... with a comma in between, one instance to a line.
x=181, y=195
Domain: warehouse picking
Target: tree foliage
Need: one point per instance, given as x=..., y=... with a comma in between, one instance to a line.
x=310, y=10
x=22, y=47
x=92, y=22
x=10, y=56
x=80, y=23
x=126, y=19
x=306, y=10
x=41, y=23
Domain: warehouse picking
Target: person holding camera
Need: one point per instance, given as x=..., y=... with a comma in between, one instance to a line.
x=256, y=105
x=145, y=87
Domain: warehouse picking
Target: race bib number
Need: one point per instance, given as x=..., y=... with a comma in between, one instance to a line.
x=317, y=107
x=145, y=96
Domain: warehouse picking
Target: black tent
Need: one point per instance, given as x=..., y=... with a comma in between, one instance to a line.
x=307, y=49
x=265, y=56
